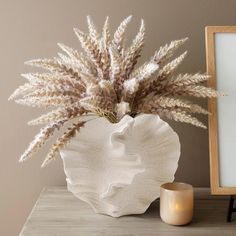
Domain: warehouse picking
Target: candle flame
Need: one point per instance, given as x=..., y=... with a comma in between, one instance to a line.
x=177, y=207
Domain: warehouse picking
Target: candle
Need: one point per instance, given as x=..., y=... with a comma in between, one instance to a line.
x=176, y=203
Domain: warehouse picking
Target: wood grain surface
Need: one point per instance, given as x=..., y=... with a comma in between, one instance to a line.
x=210, y=32
x=58, y=213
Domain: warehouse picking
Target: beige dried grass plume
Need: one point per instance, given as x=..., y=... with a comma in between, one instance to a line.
x=103, y=81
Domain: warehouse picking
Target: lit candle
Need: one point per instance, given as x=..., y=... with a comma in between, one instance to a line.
x=176, y=203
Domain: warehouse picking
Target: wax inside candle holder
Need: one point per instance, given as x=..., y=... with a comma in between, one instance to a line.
x=176, y=203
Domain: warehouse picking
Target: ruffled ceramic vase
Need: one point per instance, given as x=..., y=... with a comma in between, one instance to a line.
x=118, y=168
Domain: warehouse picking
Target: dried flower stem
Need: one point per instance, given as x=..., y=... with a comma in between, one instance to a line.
x=103, y=81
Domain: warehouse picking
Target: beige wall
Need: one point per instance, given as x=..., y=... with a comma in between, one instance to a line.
x=30, y=29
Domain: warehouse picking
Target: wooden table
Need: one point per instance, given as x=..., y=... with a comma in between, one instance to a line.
x=58, y=213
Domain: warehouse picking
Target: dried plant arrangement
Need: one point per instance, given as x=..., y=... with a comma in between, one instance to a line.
x=103, y=81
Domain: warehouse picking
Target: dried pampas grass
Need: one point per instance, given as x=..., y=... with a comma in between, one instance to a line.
x=104, y=81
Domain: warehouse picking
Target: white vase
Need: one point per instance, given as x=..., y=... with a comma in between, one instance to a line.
x=118, y=168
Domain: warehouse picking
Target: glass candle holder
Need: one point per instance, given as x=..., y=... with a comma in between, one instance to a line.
x=176, y=203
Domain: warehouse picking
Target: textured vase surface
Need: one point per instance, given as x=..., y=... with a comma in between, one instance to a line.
x=118, y=168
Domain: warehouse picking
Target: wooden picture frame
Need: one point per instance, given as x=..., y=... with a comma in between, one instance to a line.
x=214, y=138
